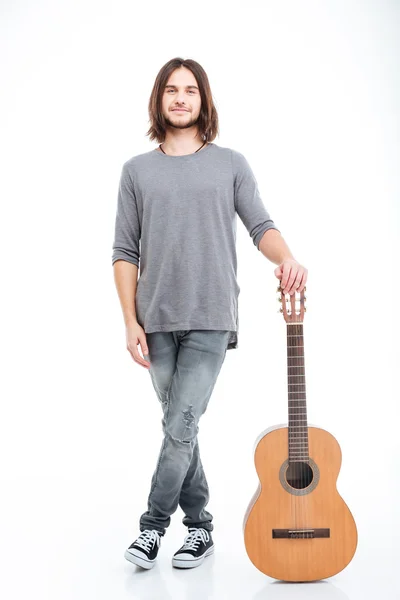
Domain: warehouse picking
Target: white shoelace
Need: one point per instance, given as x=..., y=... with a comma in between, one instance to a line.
x=148, y=538
x=195, y=536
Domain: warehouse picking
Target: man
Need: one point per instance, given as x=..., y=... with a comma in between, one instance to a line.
x=180, y=201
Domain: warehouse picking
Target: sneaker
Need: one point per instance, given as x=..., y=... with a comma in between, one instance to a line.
x=143, y=551
x=197, y=545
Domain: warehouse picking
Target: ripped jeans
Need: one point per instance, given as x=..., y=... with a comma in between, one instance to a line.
x=184, y=366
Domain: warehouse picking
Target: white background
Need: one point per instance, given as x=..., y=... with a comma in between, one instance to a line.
x=309, y=93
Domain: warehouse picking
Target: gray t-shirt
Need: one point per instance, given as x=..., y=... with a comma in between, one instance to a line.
x=176, y=220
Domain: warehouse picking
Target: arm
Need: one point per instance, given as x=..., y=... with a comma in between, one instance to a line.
x=248, y=202
x=125, y=277
x=274, y=247
x=266, y=236
x=125, y=260
x=126, y=247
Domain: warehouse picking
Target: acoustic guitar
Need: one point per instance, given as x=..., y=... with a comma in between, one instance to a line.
x=297, y=527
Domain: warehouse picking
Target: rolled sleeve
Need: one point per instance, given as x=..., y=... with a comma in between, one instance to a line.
x=248, y=202
x=126, y=245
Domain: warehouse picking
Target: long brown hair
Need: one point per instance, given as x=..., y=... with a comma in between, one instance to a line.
x=207, y=123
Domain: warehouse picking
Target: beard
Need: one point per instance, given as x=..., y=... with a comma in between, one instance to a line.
x=179, y=124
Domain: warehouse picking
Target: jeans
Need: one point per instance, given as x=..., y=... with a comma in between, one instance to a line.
x=184, y=366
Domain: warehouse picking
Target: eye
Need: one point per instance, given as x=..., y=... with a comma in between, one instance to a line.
x=190, y=91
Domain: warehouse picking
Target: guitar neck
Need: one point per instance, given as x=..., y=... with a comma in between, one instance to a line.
x=297, y=406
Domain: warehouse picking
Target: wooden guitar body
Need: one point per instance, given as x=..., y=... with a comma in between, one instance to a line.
x=301, y=530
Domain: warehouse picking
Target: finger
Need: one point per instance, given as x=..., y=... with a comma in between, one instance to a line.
x=303, y=281
x=286, y=276
x=289, y=282
x=296, y=282
x=137, y=358
x=146, y=355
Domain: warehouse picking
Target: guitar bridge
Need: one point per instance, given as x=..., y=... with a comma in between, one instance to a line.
x=301, y=533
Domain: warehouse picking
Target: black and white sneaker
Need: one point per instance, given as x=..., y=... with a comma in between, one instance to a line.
x=143, y=551
x=197, y=545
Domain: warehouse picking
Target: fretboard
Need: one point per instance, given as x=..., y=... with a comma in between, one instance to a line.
x=297, y=407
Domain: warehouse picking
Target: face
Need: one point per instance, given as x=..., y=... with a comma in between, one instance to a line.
x=181, y=91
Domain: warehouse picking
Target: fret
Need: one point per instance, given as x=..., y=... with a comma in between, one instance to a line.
x=298, y=455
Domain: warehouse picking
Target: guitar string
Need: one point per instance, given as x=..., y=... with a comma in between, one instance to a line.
x=298, y=442
x=303, y=467
x=292, y=504
x=291, y=466
x=304, y=474
x=302, y=497
x=305, y=496
x=299, y=416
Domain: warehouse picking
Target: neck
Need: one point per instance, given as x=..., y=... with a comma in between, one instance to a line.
x=179, y=146
x=298, y=429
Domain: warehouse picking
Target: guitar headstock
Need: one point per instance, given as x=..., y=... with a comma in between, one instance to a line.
x=293, y=308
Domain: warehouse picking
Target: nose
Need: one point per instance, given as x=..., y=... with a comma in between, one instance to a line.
x=180, y=99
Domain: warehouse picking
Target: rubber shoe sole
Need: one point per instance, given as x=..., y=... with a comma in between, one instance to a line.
x=137, y=558
x=184, y=563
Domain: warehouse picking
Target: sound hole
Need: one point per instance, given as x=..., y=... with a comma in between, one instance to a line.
x=299, y=475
